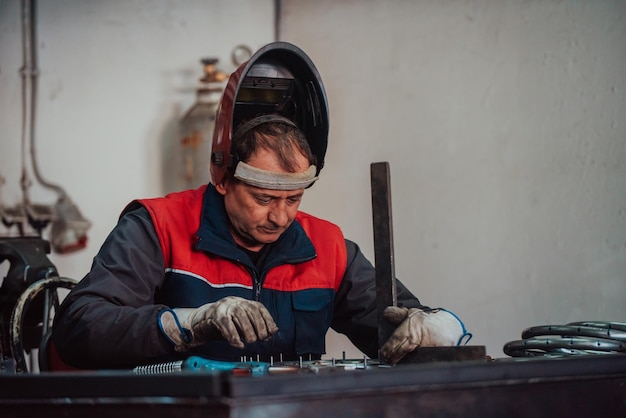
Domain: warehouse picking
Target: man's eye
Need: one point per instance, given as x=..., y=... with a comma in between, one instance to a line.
x=263, y=200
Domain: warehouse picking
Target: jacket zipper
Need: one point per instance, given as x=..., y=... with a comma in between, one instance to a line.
x=258, y=279
x=257, y=284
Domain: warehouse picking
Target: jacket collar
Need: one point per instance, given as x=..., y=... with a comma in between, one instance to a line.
x=293, y=246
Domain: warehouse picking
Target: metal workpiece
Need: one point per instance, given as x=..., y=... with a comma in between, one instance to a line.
x=446, y=354
x=383, y=246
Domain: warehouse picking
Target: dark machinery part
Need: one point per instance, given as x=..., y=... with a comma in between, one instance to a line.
x=609, y=325
x=576, y=331
x=386, y=276
x=28, y=296
x=28, y=263
x=42, y=292
x=575, y=338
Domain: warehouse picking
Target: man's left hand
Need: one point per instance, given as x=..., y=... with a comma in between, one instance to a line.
x=418, y=328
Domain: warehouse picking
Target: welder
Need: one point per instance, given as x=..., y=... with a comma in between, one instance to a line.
x=233, y=269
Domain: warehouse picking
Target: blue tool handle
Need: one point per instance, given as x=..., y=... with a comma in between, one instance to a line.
x=200, y=364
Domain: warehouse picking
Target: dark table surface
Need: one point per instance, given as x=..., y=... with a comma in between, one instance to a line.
x=590, y=385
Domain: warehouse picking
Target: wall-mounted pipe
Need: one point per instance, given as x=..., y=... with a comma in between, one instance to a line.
x=69, y=227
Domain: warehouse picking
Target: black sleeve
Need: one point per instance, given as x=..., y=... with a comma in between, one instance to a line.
x=355, y=312
x=109, y=320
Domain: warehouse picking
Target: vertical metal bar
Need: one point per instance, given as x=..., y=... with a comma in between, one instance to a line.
x=383, y=246
x=278, y=10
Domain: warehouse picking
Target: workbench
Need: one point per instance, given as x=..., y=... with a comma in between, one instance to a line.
x=575, y=386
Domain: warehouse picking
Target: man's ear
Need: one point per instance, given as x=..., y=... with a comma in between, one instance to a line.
x=221, y=188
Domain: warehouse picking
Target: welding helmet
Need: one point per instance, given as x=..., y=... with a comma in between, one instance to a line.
x=279, y=79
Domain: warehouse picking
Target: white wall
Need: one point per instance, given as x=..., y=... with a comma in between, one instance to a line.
x=503, y=123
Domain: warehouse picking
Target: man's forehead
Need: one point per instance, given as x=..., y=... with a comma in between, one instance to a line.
x=260, y=192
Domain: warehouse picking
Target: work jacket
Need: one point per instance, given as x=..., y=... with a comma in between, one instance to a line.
x=296, y=281
x=177, y=252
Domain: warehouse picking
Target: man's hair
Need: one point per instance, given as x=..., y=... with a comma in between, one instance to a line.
x=285, y=140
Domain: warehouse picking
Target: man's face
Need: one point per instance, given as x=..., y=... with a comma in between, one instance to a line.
x=259, y=216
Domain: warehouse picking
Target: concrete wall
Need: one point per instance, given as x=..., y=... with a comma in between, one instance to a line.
x=503, y=123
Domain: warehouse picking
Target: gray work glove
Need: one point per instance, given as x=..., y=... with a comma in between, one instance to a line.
x=418, y=328
x=233, y=318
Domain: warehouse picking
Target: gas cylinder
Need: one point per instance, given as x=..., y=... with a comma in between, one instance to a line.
x=196, y=126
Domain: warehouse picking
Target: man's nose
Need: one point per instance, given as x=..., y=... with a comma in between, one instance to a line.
x=279, y=214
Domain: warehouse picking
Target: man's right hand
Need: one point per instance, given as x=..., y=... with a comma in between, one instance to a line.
x=233, y=318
